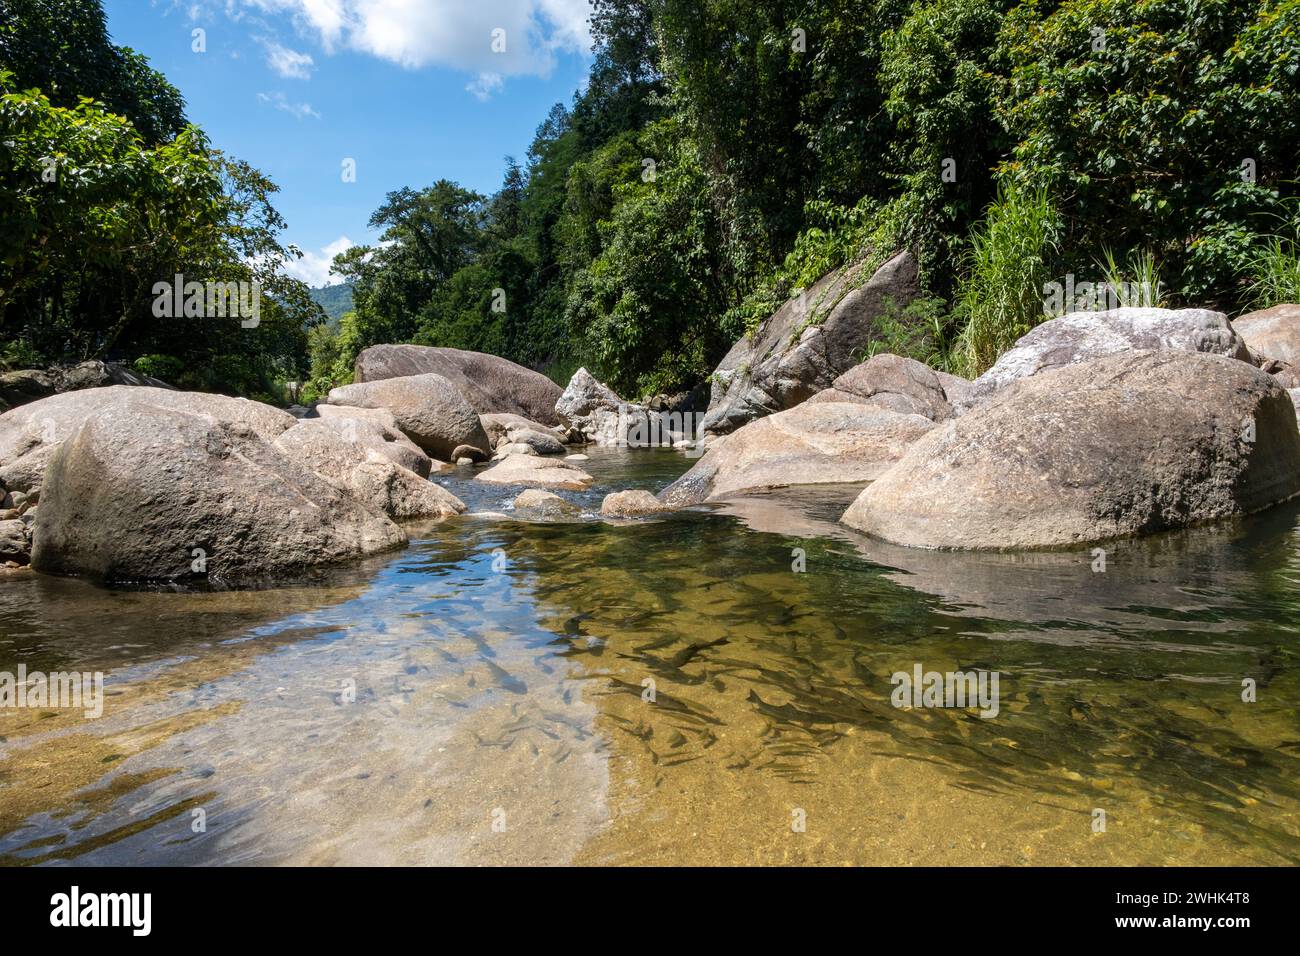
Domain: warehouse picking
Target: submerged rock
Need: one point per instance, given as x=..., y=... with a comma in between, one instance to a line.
x=536, y=472
x=141, y=492
x=534, y=502
x=813, y=443
x=806, y=344
x=489, y=383
x=1129, y=444
x=1084, y=336
x=627, y=504
x=428, y=409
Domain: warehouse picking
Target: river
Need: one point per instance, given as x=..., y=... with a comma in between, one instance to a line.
x=709, y=687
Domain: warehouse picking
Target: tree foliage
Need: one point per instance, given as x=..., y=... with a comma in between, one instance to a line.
x=105, y=192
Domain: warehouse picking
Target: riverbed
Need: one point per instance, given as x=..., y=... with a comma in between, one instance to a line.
x=708, y=687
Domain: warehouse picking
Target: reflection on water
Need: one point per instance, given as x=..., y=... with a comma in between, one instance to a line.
x=482, y=698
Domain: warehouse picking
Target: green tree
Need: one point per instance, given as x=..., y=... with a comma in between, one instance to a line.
x=1140, y=119
x=62, y=48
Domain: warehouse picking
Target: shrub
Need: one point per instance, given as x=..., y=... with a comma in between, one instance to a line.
x=1007, y=267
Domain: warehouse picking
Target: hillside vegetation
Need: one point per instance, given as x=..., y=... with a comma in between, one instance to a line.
x=722, y=156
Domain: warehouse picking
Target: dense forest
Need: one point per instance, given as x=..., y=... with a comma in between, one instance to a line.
x=723, y=155
x=107, y=189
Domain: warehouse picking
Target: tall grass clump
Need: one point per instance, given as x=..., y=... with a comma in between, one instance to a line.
x=1006, y=269
x=1276, y=274
x=1137, y=285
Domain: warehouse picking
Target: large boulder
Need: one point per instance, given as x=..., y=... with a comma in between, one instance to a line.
x=499, y=425
x=1129, y=444
x=489, y=383
x=356, y=467
x=1084, y=336
x=428, y=408
x=30, y=434
x=141, y=492
x=29, y=385
x=25, y=385
x=813, y=443
x=1273, y=333
x=96, y=374
x=536, y=473
x=1286, y=375
x=956, y=390
x=893, y=382
x=542, y=443
x=808, y=343
x=376, y=428
x=594, y=410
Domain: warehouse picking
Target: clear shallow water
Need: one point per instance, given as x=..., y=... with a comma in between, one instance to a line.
x=478, y=698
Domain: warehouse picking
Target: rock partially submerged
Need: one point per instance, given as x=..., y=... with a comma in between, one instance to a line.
x=808, y=343
x=428, y=408
x=813, y=443
x=1129, y=444
x=632, y=503
x=1085, y=336
x=537, y=473
x=141, y=492
x=594, y=410
x=895, y=383
x=489, y=383
x=535, y=503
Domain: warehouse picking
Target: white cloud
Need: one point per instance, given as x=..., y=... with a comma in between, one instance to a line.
x=288, y=63
x=447, y=33
x=314, y=267
x=486, y=85
x=282, y=102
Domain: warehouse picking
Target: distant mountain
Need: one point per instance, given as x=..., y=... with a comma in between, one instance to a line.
x=335, y=300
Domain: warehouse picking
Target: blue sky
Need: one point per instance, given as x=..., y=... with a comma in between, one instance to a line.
x=412, y=90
